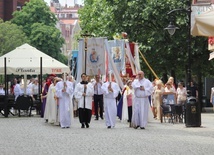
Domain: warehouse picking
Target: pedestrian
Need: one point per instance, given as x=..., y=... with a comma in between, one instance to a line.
x=83, y=93
x=193, y=90
x=2, y=91
x=98, y=97
x=64, y=89
x=52, y=104
x=128, y=97
x=212, y=97
x=157, y=96
x=181, y=93
x=143, y=88
x=111, y=90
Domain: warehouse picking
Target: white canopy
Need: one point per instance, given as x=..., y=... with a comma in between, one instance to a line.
x=26, y=60
x=204, y=24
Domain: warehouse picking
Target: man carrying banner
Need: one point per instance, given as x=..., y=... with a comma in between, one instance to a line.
x=64, y=89
x=142, y=89
x=83, y=93
x=111, y=91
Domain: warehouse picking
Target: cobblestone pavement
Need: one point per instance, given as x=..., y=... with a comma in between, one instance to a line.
x=32, y=136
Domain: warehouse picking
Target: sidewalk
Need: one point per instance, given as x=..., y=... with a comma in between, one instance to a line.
x=32, y=136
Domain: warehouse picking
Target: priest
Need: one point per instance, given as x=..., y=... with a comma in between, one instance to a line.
x=142, y=90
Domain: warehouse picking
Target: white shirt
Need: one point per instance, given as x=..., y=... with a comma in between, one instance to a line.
x=97, y=88
x=2, y=91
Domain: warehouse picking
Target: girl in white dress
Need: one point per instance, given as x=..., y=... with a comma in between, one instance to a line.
x=212, y=97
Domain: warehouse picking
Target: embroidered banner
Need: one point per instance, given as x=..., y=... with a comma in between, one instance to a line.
x=117, y=53
x=95, y=62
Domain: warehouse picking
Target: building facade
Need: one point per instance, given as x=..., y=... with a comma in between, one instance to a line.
x=7, y=7
x=68, y=25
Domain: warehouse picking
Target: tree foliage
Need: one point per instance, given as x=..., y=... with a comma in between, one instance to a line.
x=144, y=21
x=11, y=36
x=39, y=24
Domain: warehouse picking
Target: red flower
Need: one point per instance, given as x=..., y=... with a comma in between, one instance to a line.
x=211, y=40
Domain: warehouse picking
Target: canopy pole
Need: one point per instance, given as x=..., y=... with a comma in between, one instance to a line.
x=40, y=78
x=148, y=65
x=6, y=87
x=5, y=76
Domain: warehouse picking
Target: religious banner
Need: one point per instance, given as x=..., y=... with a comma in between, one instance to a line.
x=117, y=53
x=95, y=56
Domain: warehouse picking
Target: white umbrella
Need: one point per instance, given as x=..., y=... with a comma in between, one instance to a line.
x=204, y=24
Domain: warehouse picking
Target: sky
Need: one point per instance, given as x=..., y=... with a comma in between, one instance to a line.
x=69, y=2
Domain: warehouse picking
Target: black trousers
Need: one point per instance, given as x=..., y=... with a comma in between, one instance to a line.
x=84, y=115
x=98, y=102
x=130, y=113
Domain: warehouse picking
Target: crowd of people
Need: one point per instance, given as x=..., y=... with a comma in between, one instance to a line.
x=60, y=95
x=63, y=99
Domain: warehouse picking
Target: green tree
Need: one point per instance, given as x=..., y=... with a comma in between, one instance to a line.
x=11, y=36
x=96, y=18
x=46, y=38
x=144, y=22
x=39, y=24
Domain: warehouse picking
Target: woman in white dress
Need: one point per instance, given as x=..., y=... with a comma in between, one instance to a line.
x=181, y=93
x=157, y=98
x=51, y=112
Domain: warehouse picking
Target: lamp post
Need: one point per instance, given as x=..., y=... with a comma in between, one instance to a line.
x=192, y=114
x=171, y=28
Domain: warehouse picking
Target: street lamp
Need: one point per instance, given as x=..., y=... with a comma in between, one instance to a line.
x=171, y=28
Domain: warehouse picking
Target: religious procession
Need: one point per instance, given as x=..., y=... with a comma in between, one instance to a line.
x=105, y=82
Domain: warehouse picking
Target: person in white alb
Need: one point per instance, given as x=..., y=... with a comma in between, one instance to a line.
x=84, y=92
x=143, y=88
x=111, y=91
x=64, y=89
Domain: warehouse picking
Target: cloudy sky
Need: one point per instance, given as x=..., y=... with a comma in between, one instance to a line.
x=69, y=2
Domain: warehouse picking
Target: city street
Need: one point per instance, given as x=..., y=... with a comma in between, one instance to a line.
x=32, y=136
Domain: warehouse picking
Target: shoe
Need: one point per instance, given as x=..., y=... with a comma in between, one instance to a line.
x=63, y=127
x=67, y=127
x=86, y=124
x=136, y=127
x=142, y=127
x=109, y=127
x=101, y=117
x=83, y=126
x=96, y=119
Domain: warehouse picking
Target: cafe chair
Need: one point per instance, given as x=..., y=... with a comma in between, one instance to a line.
x=179, y=113
x=167, y=112
x=2, y=104
x=25, y=103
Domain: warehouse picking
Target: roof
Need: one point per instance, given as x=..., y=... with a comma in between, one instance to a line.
x=26, y=59
x=68, y=21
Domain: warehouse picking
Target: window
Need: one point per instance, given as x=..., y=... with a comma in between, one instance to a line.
x=18, y=8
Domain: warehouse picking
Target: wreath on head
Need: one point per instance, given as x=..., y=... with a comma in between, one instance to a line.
x=211, y=40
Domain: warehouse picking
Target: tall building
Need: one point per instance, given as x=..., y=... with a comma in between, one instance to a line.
x=7, y=7
x=68, y=24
